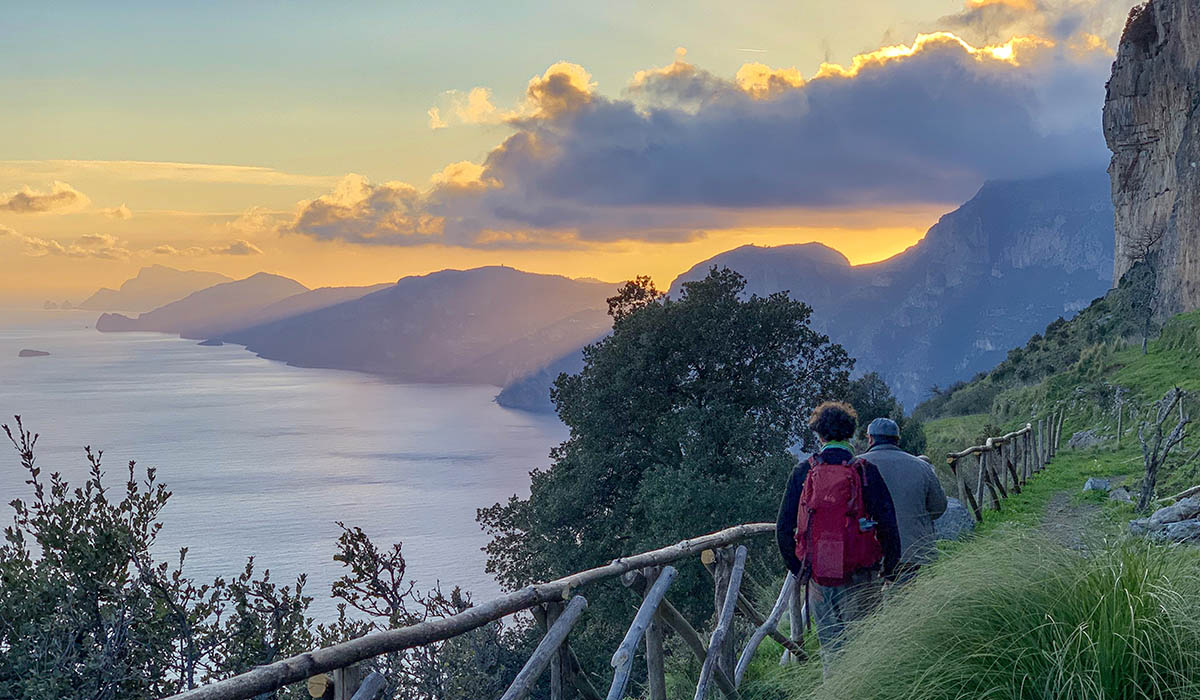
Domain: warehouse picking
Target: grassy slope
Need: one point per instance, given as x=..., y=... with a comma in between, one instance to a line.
x=1086, y=387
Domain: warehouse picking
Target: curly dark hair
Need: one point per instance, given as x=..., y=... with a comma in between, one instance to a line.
x=834, y=420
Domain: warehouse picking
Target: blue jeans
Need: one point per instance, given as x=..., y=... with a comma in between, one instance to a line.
x=833, y=608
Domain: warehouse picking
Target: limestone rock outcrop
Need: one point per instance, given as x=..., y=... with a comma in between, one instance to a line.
x=1152, y=127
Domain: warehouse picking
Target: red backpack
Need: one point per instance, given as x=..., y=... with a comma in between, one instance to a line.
x=829, y=538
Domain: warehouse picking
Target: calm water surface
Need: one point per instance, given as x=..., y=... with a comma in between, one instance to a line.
x=263, y=458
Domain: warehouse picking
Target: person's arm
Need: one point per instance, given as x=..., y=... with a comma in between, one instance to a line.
x=878, y=501
x=935, y=496
x=785, y=523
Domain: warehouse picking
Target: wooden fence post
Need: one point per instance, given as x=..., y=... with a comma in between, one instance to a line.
x=772, y=621
x=346, y=681
x=622, y=659
x=1042, y=442
x=656, y=674
x=993, y=471
x=671, y=617
x=547, y=648
x=371, y=687
x=998, y=446
x=1010, y=465
x=1050, y=437
x=722, y=571
x=559, y=661
x=676, y=621
x=981, y=479
x=797, y=618
x=717, y=645
x=569, y=666
x=1028, y=451
x=964, y=494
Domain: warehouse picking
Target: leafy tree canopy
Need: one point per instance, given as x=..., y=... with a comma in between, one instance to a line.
x=680, y=423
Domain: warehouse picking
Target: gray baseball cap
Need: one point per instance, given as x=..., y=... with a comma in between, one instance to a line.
x=884, y=427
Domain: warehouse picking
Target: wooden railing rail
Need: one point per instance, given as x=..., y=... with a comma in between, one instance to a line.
x=272, y=677
x=1003, y=464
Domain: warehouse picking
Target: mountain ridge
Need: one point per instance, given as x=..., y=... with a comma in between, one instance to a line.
x=985, y=277
x=209, y=311
x=152, y=287
x=484, y=325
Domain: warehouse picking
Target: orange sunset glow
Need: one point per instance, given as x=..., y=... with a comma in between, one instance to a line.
x=536, y=197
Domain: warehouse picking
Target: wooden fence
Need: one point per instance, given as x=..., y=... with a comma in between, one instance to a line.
x=1003, y=464
x=557, y=607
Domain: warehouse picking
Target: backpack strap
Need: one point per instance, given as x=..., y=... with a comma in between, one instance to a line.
x=860, y=465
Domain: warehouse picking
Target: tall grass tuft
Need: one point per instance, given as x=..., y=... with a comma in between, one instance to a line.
x=1018, y=616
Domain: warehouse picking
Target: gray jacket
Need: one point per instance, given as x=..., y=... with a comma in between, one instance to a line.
x=918, y=497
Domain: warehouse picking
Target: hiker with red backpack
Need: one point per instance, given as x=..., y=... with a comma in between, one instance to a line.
x=837, y=529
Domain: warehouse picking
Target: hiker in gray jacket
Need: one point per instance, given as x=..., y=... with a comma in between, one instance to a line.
x=916, y=493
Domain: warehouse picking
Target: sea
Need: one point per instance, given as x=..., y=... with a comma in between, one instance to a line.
x=262, y=459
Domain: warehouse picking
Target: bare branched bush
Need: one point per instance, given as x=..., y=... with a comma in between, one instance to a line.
x=1157, y=443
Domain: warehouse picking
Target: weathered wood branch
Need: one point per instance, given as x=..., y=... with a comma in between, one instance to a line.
x=1010, y=464
x=656, y=665
x=965, y=494
x=724, y=623
x=546, y=650
x=371, y=687
x=797, y=620
x=985, y=474
x=622, y=660
x=760, y=633
x=756, y=619
x=674, y=619
x=984, y=448
x=746, y=606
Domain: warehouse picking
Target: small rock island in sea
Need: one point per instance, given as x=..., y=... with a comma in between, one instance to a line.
x=32, y=353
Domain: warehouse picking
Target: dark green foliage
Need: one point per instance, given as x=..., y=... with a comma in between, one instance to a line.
x=85, y=611
x=912, y=436
x=680, y=424
x=872, y=398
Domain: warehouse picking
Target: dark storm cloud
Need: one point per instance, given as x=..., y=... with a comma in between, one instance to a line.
x=684, y=150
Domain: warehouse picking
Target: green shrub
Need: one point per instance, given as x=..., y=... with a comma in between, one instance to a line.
x=1017, y=616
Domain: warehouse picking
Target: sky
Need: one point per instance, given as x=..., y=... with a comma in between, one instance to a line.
x=354, y=143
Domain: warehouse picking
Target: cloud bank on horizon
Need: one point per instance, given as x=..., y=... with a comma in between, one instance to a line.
x=682, y=151
x=104, y=246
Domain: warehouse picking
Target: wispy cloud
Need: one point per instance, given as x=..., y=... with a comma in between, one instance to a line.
x=237, y=248
x=144, y=171
x=435, y=119
x=105, y=246
x=92, y=245
x=59, y=199
x=121, y=213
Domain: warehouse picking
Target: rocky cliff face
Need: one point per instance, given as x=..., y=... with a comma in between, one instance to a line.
x=1152, y=127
